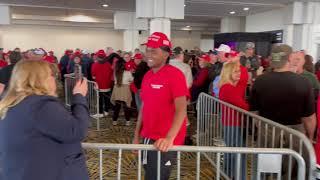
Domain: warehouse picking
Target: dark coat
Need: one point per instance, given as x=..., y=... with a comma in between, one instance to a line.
x=41, y=140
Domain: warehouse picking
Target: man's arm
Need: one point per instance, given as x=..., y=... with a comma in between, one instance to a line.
x=310, y=124
x=189, y=77
x=164, y=144
x=2, y=86
x=136, y=138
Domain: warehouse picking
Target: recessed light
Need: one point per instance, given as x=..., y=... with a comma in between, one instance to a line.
x=232, y=12
x=188, y=26
x=185, y=5
x=105, y=5
x=246, y=9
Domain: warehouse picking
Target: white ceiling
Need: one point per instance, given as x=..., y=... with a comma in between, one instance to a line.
x=204, y=12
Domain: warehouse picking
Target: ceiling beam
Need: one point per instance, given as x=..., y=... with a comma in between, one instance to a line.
x=217, y=2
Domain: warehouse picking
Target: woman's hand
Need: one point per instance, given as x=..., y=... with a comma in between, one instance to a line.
x=81, y=87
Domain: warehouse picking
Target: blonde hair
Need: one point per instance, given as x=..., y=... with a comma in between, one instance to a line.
x=226, y=73
x=28, y=78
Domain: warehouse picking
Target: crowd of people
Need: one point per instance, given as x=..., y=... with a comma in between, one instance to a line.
x=160, y=83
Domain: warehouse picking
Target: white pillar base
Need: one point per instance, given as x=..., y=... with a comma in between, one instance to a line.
x=130, y=40
x=161, y=25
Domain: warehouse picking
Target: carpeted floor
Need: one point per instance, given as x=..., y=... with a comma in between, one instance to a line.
x=123, y=134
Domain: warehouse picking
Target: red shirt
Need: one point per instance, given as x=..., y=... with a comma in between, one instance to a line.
x=130, y=66
x=232, y=95
x=3, y=63
x=49, y=59
x=317, y=146
x=102, y=74
x=318, y=75
x=243, y=82
x=201, y=78
x=158, y=92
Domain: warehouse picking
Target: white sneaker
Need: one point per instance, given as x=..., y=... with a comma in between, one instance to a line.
x=106, y=113
x=115, y=123
x=128, y=123
x=98, y=116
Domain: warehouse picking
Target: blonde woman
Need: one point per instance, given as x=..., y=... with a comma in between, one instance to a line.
x=232, y=93
x=39, y=138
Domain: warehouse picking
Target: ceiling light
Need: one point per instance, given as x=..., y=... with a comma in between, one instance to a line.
x=246, y=9
x=188, y=26
x=185, y=5
x=105, y=5
x=232, y=12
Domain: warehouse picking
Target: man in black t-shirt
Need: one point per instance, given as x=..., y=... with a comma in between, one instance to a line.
x=5, y=73
x=250, y=60
x=283, y=96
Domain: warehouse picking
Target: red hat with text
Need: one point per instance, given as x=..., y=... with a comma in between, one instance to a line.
x=138, y=56
x=101, y=53
x=205, y=57
x=157, y=40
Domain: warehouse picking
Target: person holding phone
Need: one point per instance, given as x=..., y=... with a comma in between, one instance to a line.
x=39, y=138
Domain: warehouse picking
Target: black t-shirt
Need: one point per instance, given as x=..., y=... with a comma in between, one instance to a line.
x=254, y=62
x=141, y=70
x=283, y=97
x=215, y=70
x=5, y=75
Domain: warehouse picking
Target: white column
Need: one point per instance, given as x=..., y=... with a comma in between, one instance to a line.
x=5, y=19
x=128, y=22
x=232, y=24
x=5, y=15
x=130, y=40
x=160, y=13
x=161, y=25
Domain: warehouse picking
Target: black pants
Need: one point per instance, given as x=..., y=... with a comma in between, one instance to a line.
x=150, y=163
x=104, y=102
x=117, y=108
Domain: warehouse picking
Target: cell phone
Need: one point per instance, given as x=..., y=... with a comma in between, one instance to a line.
x=78, y=72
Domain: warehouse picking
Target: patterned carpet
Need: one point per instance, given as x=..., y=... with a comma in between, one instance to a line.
x=124, y=135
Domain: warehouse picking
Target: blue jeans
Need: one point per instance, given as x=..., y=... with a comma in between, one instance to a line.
x=138, y=99
x=234, y=138
x=1, y=178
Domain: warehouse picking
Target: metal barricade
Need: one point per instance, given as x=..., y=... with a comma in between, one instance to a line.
x=92, y=96
x=218, y=151
x=224, y=125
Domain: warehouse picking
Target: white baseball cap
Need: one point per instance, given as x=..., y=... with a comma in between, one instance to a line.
x=85, y=51
x=224, y=48
x=39, y=51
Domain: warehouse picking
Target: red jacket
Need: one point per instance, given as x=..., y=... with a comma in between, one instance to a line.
x=232, y=95
x=3, y=63
x=102, y=73
x=201, y=78
x=243, y=82
x=130, y=66
x=318, y=75
x=317, y=145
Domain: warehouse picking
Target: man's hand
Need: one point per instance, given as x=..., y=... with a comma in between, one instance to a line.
x=136, y=140
x=163, y=144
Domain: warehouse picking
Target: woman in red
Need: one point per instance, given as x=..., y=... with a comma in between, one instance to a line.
x=232, y=93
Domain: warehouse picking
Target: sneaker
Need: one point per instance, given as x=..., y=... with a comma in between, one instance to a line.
x=98, y=116
x=115, y=123
x=128, y=123
x=106, y=113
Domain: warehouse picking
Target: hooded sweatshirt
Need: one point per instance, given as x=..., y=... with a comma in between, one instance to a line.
x=102, y=73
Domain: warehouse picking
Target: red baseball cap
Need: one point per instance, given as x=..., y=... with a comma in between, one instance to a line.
x=158, y=39
x=138, y=56
x=101, y=53
x=205, y=57
x=77, y=53
x=232, y=54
